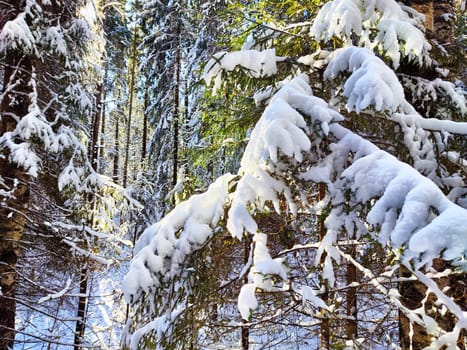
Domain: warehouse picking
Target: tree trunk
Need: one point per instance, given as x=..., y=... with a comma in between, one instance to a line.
x=440, y=26
x=351, y=306
x=425, y=7
x=145, y=124
x=94, y=146
x=82, y=306
x=103, y=111
x=130, y=107
x=15, y=180
x=325, y=331
x=443, y=23
x=176, y=117
x=116, y=156
x=411, y=336
x=246, y=329
x=245, y=337
x=439, y=19
x=93, y=151
x=414, y=292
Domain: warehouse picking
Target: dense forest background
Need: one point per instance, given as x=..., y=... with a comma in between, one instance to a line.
x=233, y=174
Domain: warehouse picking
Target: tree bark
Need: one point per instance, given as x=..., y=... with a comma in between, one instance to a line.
x=94, y=145
x=325, y=329
x=351, y=306
x=116, y=156
x=130, y=107
x=411, y=296
x=176, y=117
x=15, y=180
x=443, y=23
x=102, y=144
x=245, y=334
x=93, y=151
x=82, y=306
x=439, y=19
x=425, y=7
x=144, y=145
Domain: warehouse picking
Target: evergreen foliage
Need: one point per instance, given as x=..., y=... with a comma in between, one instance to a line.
x=282, y=174
x=326, y=178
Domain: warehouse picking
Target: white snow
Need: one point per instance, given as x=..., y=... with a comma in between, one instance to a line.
x=159, y=326
x=427, y=221
x=399, y=38
x=159, y=253
x=56, y=295
x=247, y=302
x=398, y=33
x=281, y=131
x=310, y=294
x=54, y=36
x=263, y=265
x=338, y=18
x=256, y=63
x=16, y=34
x=371, y=82
x=409, y=212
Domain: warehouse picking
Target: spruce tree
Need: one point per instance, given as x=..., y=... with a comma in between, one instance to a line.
x=347, y=174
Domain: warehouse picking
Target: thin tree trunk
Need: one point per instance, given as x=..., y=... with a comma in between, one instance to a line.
x=14, y=179
x=176, y=117
x=116, y=158
x=103, y=111
x=245, y=337
x=93, y=151
x=351, y=306
x=246, y=329
x=144, y=146
x=325, y=331
x=130, y=107
x=94, y=146
x=103, y=95
x=82, y=306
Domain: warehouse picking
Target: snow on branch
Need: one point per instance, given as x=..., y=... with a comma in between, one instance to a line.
x=160, y=326
x=161, y=250
x=55, y=38
x=257, y=63
x=407, y=211
x=438, y=96
x=397, y=32
x=371, y=82
x=58, y=294
x=164, y=247
x=279, y=137
x=336, y=19
x=16, y=34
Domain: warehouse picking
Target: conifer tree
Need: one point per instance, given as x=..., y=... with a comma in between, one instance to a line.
x=46, y=177
x=347, y=178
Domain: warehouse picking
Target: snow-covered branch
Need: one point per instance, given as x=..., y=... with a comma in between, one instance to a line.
x=375, y=24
